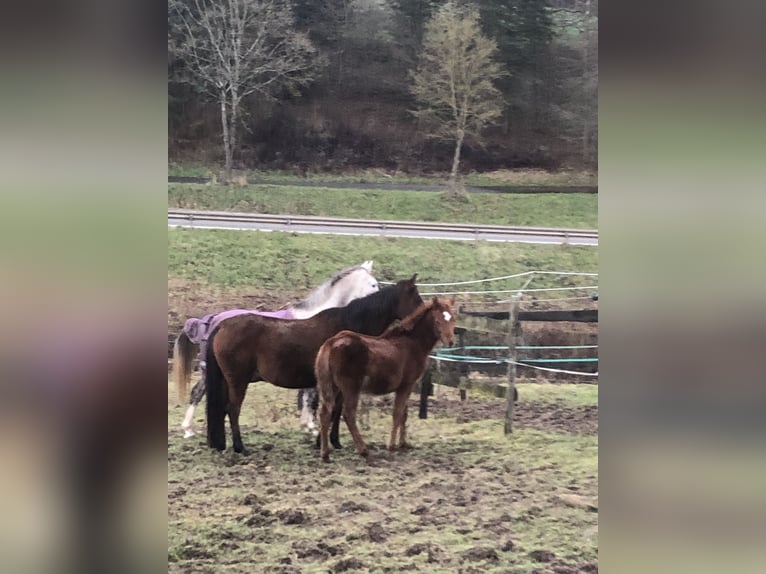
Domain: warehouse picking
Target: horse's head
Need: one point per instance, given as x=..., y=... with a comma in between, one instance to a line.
x=409, y=298
x=360, y=282
x=444, y=320
x=356, y=283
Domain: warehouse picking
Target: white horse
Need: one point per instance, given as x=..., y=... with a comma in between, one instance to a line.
x=338, y=291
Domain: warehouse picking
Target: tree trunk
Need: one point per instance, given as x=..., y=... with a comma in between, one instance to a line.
x=456, y=162
x=233, y=125
x=226, y=140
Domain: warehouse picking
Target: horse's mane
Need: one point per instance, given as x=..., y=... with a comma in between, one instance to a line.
x=378, y=305
x=318, y=295
x=408, y=323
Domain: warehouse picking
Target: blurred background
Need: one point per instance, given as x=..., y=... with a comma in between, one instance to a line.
x=84, y=116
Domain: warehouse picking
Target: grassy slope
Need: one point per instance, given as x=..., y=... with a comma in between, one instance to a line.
x=464, y=488
x=236, y=259
x=548, y=210
x=515, y=177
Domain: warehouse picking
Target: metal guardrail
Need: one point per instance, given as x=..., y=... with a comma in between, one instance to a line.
x=314, y=221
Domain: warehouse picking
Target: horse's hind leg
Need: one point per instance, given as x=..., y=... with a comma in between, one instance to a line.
x=326, y=408
x=235, y=404
x=349, y=415
x=198, y=391
x=335, y=431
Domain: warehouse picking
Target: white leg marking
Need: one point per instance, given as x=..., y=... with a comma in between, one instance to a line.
x=187, y=424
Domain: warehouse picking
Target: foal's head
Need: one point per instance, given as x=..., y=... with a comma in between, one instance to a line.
x=444, y=320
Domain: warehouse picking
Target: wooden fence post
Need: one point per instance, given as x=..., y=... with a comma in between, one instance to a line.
x=462, y=367
x=426, y=389
x=514, y=339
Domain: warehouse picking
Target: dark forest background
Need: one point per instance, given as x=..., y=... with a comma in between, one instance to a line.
x=355, y=114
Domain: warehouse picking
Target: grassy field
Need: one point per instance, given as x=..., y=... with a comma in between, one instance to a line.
x=578, y=210
x=213, y=270
x=517, y=177
x=466, y=499
x=275, y=261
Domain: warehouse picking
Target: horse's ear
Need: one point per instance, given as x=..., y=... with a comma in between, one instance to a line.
x=435, y=300
x=412, y=279
x=367, y=265
x=452, y=302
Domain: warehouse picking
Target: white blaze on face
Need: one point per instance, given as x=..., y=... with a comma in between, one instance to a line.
x=447, y=316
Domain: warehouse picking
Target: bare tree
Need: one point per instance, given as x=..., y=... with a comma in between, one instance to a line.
x=234, y=48
x=454, y=80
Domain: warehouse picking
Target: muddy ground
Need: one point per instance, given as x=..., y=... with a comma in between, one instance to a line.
x=467, y=499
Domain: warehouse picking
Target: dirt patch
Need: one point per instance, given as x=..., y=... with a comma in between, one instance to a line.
x=544, y=416
x=542, y=555
x=260, y=517
x=549, y=417
x=351, y=506
x=376, y=533
x=192, y=551
x=293, y=516
x=348, y=564
x=481, y=553
x=434, y=551
x=462, y=500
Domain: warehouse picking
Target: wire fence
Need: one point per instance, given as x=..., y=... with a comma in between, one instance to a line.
x=462, y=354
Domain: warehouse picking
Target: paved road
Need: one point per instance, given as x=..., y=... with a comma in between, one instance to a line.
x=341, y=226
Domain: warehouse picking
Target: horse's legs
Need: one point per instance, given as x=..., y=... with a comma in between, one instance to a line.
x=236, y=396
x=335, y=431
x=308, y=400
x=400, y=415
x=326, y=409
x=198, y=391
x=403, y=428
x=364, y=411
x=349, y=415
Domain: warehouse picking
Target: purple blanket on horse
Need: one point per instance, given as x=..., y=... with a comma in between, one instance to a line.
x=198, y=330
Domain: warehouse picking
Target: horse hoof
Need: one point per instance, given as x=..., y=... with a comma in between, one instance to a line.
x=325, y=458
x=406, y=446
x=337, y=446
x=189, y=433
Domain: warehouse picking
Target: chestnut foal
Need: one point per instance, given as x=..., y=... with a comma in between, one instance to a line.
x=351, y=363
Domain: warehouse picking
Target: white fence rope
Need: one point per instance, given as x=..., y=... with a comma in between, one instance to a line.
x=493, y=291
x=474, y=281
x=496, y=362
x=587, y=298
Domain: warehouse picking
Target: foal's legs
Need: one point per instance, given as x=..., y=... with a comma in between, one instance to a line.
x=350, y=402
x=399, y=419
x=326, y=408
x=335, y=429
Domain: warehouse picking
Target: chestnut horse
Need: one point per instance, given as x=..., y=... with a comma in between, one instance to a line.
x=349, y=364
x=250, y=347
x=339, y=290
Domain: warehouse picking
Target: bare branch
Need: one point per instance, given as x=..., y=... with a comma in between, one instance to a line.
x=238, y=47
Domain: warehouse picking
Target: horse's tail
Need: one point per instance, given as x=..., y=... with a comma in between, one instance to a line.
x=325, y=380
x=183, y=357
x=217, y=400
